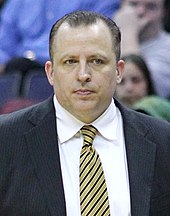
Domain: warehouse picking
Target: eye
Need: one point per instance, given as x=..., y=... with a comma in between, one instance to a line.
x=97, y=61
x=70, y=61
x=136, y=80
x=152, y=6
x=133, y=4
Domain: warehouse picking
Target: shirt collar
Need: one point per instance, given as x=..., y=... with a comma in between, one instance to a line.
x=68, y=125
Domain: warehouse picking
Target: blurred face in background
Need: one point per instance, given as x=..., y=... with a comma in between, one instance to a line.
x=149, y=13
x=133, y=86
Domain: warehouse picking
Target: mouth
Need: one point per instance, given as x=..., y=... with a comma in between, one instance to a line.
x=83, y=92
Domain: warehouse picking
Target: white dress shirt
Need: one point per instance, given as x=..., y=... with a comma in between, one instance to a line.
x=109, y=143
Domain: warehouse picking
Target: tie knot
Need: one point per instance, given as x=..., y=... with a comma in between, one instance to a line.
x=88, y=132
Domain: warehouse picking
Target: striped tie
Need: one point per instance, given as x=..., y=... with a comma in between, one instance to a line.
x=93, y=191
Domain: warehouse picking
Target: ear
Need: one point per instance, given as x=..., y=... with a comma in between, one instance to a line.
x=120, y=70
x=49, y=72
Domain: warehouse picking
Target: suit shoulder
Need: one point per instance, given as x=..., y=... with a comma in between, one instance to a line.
x=152, y=122
x=37, y=111
x=153, y=128
x=156, y=130
x=16, y=116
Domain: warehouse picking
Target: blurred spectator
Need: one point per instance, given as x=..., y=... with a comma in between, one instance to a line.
x=136, y=81
x=1, y=6
x=25, y=27
x=154, y=106
x=2, y=3
x=142, y=32
x=166, y=17
x=137, y=91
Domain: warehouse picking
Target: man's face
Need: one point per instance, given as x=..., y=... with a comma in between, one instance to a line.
x=149, y=12
x=84, y=70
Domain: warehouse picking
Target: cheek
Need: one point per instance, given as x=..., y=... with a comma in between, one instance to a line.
x=154, y=17
x=60, y=84
x=142, y=89
x=109, y=84
x=106, y=81
x=145, y=86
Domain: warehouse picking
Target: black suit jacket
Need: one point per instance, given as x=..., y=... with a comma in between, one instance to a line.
x=30, y=172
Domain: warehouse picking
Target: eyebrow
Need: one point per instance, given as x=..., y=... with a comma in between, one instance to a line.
x=97, y=55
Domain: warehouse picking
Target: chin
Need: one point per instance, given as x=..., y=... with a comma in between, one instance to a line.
x=84, y=108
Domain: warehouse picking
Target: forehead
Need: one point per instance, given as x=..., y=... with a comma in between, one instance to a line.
x=96, y=26
x=131, y=69
x=98, y=30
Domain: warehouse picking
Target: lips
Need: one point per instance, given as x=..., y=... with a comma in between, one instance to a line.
x=83, y=91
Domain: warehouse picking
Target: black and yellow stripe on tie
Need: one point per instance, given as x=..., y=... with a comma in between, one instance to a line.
x=93, y=191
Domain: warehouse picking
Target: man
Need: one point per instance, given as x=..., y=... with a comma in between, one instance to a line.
x=141, y=23
x=41, y=146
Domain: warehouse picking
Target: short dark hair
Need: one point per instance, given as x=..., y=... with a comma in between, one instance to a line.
x=78, y=18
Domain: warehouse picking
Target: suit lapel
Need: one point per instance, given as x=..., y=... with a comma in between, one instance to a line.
x=43, y=148
x=141, y=162
x=141, y=158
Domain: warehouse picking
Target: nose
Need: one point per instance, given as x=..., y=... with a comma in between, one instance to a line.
x=84, y=74
x=129, y=86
